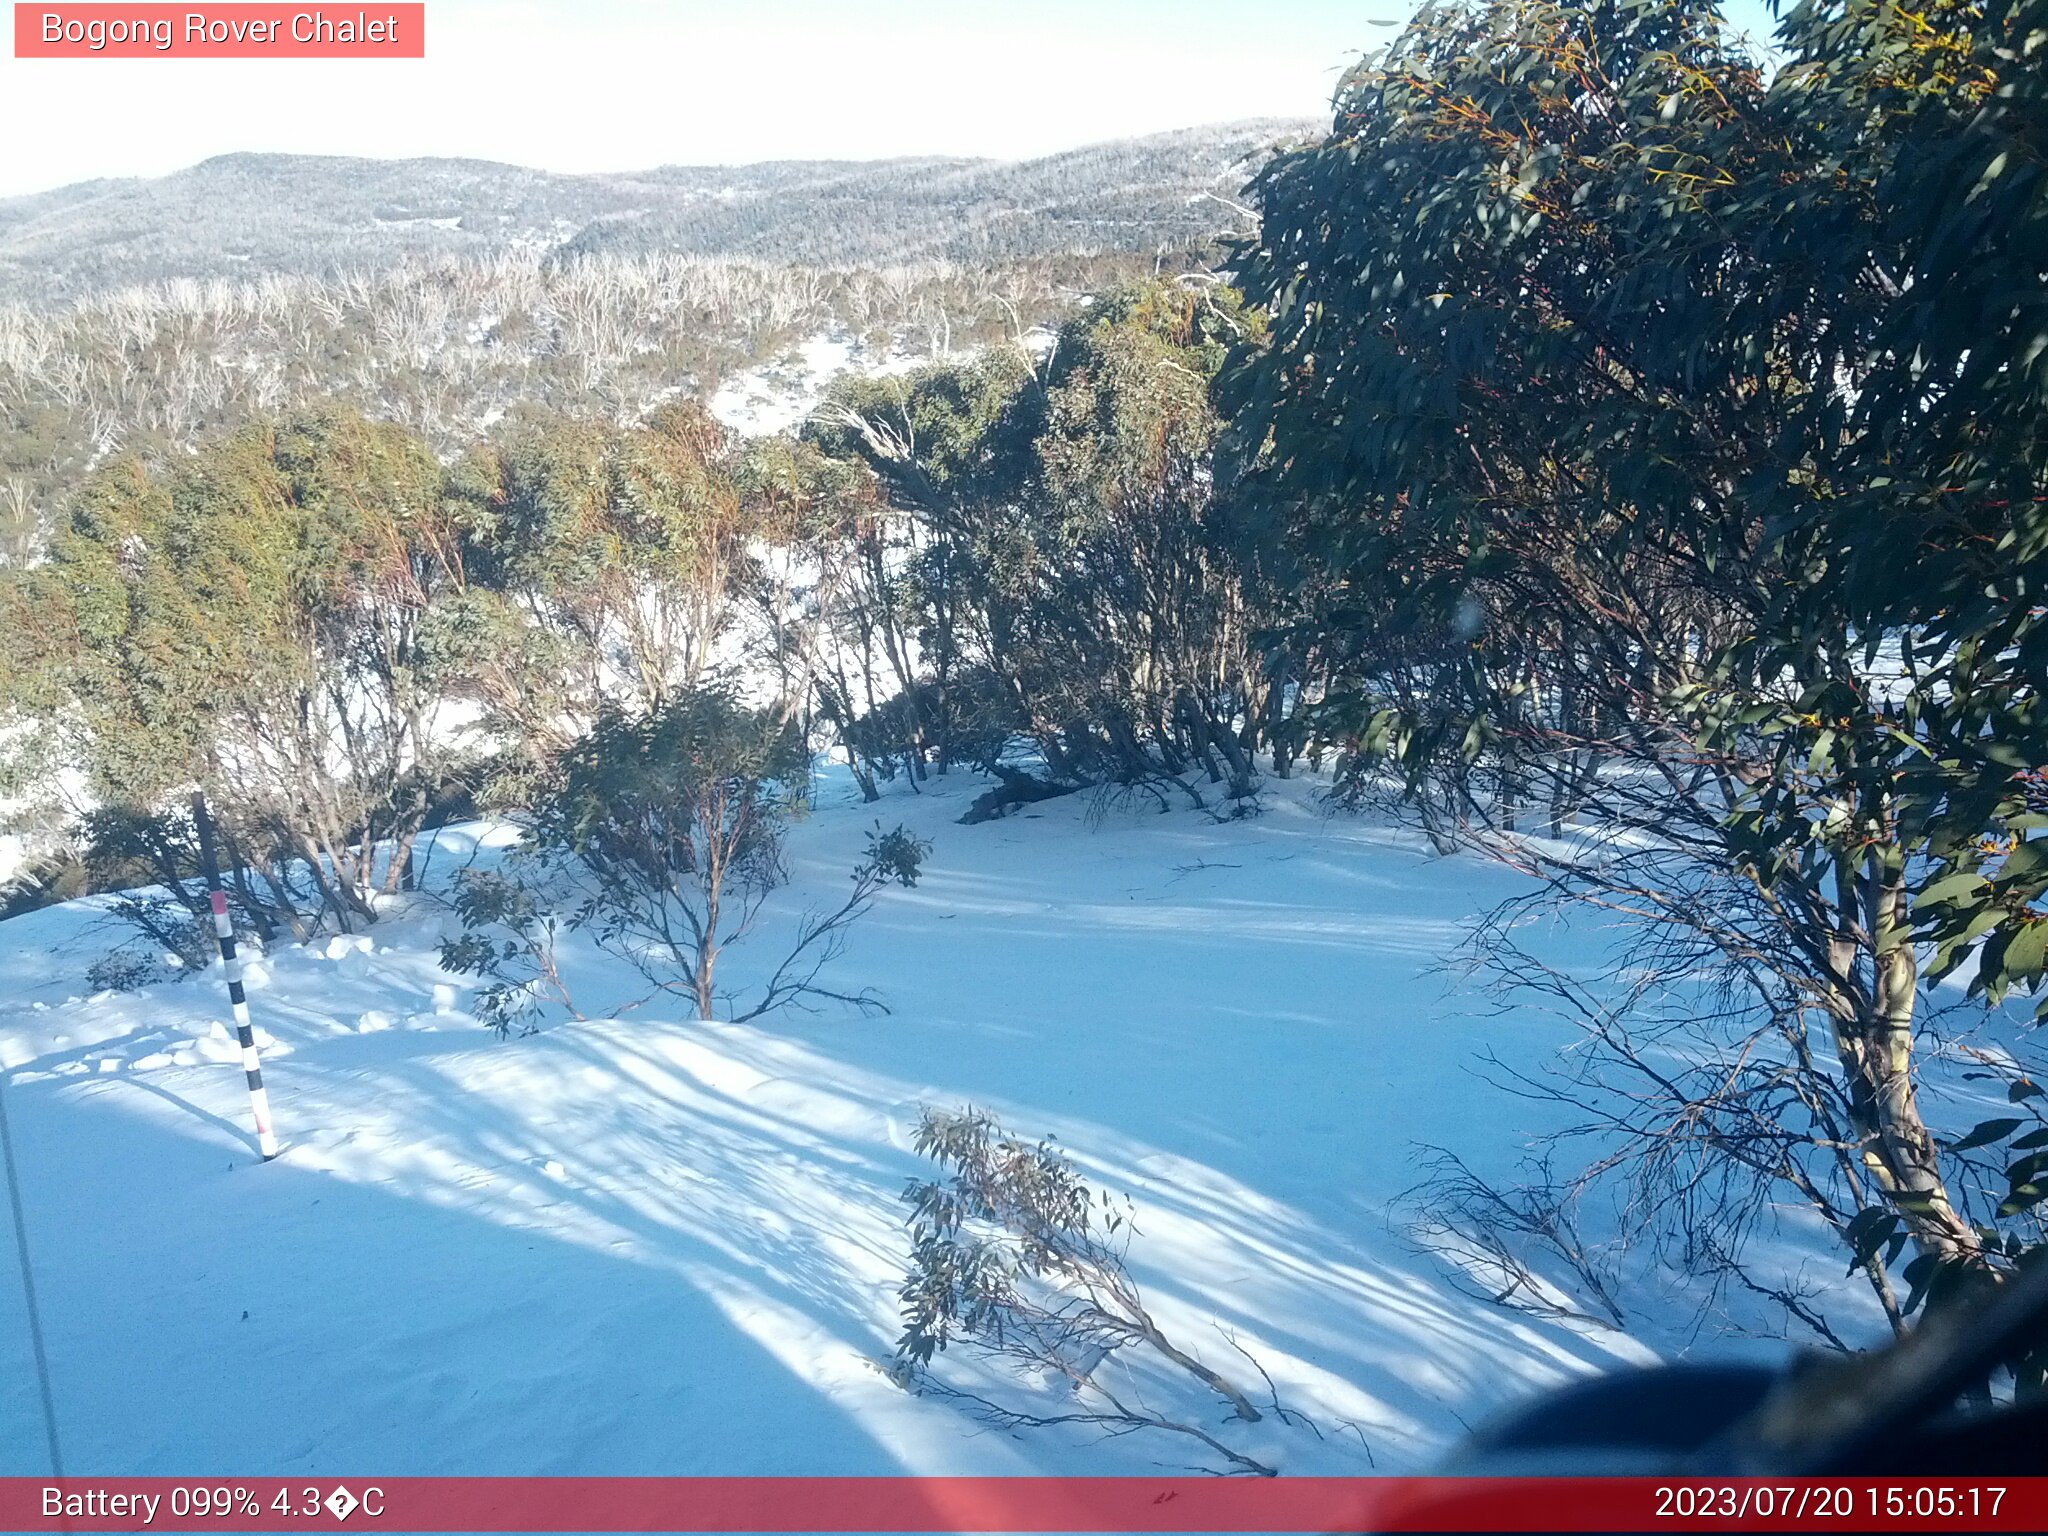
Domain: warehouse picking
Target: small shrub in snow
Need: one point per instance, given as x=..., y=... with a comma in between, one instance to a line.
x=1016, y=1256
x=129, y=969
x=167, y=930
x=151, y=859
x=676, y=819
x=508, y=938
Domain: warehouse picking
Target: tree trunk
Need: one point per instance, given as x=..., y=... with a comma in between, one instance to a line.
x=713, y=878
x=1873, y=1029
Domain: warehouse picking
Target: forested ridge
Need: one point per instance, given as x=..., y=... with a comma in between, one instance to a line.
x=452, y=345
x=252, y=215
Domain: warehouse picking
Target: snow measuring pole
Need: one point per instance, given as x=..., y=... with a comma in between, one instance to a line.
x=224, y=931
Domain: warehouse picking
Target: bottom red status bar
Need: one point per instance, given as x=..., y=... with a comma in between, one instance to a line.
x=1109, y=1504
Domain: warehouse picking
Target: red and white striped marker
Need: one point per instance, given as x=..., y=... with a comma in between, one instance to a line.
x=231, y=962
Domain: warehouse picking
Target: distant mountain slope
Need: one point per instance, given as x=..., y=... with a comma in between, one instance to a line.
x=239, y=215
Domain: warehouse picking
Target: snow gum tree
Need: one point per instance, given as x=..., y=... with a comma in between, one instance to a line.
x=858, y=615
x=947, y=450
x=1663, y=444
x=602, y=567
x=251, y=620
x=1070, y=542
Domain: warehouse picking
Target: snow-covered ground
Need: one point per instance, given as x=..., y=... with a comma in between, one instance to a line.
x=651, y=1245
x=778, y=395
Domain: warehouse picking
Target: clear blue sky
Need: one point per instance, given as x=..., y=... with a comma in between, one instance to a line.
x=585, y=85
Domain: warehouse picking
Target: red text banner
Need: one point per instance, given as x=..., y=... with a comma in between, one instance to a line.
x=376, y=31
x=1110, y=1504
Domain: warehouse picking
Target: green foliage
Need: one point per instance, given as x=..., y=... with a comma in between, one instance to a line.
x=701, y=784
x=600, y=568
x=508, y=938
x=677, y=816
x=283, y=617
x=1018, y=1257
x=676, y=820
x=1007, y=1212
x=1939, y=525
x=250, y=621
x=1065, y=541
x=894, y=857
x=1629, y=420
x=450, y=347
x=1513, y=330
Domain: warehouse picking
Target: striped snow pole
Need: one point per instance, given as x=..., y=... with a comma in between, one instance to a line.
x=224, y=930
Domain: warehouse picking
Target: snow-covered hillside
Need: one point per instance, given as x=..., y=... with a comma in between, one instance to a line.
x=778, y=395
x=651, y=1245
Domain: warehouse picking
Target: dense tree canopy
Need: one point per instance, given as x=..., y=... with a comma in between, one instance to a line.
x=1670, y=440
x=1070, y=543
x=252, y=621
